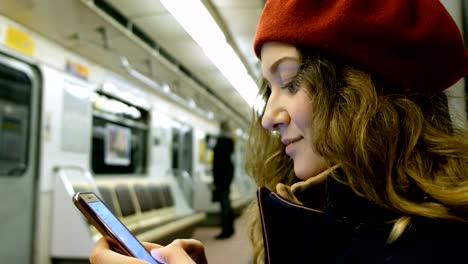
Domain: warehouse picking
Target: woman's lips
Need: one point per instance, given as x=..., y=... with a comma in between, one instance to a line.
x=290, y=144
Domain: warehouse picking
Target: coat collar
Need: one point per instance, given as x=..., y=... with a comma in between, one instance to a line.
x=326, y=194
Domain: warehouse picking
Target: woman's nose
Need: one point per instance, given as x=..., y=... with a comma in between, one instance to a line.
x=275, y=116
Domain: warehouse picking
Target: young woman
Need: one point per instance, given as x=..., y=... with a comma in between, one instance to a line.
x=355, y=152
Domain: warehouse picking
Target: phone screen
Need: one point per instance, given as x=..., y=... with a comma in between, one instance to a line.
x=121, y=232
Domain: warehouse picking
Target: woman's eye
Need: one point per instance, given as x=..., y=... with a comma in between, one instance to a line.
x=291, y=86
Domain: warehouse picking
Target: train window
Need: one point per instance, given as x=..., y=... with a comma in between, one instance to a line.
x=120, y=131
x=15, y=105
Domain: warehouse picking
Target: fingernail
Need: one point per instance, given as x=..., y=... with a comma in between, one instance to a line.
x=154, y=252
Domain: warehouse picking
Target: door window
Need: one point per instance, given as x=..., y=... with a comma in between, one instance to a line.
x=15, y=105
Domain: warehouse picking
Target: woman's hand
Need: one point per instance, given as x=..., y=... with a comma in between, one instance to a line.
x=103, y=254
x=181, y=251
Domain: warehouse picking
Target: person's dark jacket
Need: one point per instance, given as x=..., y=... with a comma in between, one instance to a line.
x=353, y=230
x=223, y=169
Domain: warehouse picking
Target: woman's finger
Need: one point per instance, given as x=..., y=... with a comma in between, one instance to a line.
x=189, y=245
x=172, y=254
x=194, y=249
x=102, y=254
x=150, y=246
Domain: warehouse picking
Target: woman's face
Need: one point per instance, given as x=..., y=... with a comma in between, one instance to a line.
x=289, y=108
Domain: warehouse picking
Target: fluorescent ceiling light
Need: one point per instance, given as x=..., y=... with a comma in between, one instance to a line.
x=200, y=25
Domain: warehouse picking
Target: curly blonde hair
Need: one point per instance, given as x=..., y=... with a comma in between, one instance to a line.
x=395, y=148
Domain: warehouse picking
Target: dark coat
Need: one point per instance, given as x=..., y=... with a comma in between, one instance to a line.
x=223, y=169
x=353, y=230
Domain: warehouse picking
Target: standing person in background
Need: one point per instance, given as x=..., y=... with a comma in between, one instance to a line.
x=355, y=154
x=223, y=173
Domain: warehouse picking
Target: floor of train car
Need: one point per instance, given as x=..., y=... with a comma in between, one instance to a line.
x=236, y=249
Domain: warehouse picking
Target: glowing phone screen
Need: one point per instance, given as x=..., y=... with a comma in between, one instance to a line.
x=122, y=232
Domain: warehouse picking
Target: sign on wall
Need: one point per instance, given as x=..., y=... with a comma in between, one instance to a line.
x=117, y=145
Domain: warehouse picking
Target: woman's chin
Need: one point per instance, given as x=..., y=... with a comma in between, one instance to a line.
x=308, y=172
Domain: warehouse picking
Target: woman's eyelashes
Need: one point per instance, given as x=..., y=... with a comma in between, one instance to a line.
x=291, y=86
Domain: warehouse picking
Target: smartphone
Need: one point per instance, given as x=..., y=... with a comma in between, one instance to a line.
x=109, y=225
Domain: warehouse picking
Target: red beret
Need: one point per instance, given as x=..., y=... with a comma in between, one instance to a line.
x=414, y=44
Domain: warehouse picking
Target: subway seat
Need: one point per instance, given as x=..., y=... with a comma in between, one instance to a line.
x=147, y=208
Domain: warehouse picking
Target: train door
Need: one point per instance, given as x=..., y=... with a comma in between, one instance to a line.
x=19, y=99
x=182, y=158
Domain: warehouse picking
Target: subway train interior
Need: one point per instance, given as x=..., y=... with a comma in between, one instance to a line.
x=119, y=97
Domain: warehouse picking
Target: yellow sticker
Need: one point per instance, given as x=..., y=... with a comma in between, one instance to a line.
x=19, y=40
x=77, y=69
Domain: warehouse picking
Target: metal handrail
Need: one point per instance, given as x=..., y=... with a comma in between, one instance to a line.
x=61, y=172
x=188, y=184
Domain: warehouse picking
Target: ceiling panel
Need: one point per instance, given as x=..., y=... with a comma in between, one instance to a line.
x=238, y=3
x=137, y=7
x=128, y=48
x=188, y=52
x=161, y=27
x=217, y=80
x=243, y=30
x=241, y=26
x=74, y=18
x=9, y=7
x=77, y=18
x=100, y=56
